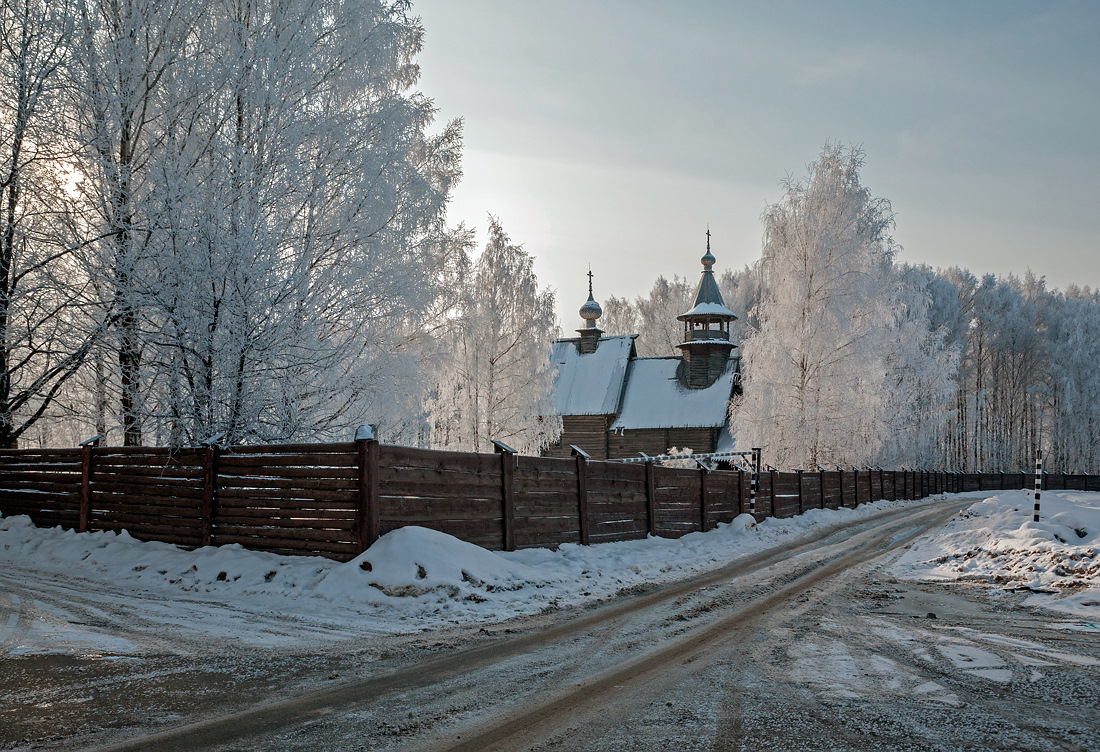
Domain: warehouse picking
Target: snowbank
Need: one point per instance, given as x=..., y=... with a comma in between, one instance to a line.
x=996, y=542
x=410, y=579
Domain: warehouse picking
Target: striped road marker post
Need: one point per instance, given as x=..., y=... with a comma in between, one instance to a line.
x=754, y=479
x=1038, y=480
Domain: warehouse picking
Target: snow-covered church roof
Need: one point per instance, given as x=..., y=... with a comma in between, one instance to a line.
x=655, y=398
x=604, y=376
x=591, y=383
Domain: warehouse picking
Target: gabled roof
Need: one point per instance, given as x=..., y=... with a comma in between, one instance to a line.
x=590, y=384
x=655, y=398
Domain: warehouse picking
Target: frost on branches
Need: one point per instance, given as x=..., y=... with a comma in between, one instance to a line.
x=266, y=205
x=843, y=368
x=498, y=380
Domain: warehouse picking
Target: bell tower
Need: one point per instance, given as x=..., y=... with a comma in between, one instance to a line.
x=706, y=347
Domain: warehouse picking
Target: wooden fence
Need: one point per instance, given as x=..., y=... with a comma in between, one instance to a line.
x=336, y=499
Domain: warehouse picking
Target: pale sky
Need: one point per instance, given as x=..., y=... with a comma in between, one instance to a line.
x=612, y=133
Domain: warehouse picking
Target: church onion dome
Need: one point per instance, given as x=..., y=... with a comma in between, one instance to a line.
x=591, y=311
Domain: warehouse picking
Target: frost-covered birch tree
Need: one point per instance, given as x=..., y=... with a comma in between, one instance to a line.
x=293, y=313
x=620, y=316
x=267, y=200
x=658, y=330
x=124, y=54
x=920, y=363
x=1073, y=431
x=497, y=381
x=839, y=338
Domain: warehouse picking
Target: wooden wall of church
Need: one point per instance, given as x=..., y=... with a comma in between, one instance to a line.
x=654, y=441
x=592, y=434
x=589, y=432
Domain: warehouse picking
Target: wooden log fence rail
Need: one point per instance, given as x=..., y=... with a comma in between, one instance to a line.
x=335, y=500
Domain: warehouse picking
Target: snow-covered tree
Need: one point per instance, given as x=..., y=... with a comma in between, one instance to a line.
x=324, y=244
x=497, y=381
x=921, y=366
x=742, y=291
x=620, y=316
x=839, y=336
x=268, y=205
x=658, y=330
x=1072, y=432
x=124, y=57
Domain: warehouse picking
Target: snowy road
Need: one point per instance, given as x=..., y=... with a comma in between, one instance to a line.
x=810, y=646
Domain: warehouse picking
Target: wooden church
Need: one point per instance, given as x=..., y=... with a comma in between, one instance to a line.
x=614, y=404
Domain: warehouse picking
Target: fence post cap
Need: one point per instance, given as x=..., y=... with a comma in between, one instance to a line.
x=578, y=452
x=501, y=448
x=368, y=432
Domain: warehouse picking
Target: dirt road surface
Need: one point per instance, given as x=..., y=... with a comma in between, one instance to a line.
x=811, y=647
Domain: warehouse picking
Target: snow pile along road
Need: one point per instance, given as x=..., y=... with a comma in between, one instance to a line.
x=997, y=542
x=410, y=579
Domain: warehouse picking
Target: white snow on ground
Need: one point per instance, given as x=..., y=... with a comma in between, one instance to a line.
x=416, y=579
x=410, y=580
x=996, y=542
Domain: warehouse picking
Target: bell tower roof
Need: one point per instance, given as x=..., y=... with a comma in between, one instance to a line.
x=708, y=298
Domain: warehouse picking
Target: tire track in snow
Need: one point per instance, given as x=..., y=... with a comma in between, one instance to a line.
x=14, y=621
